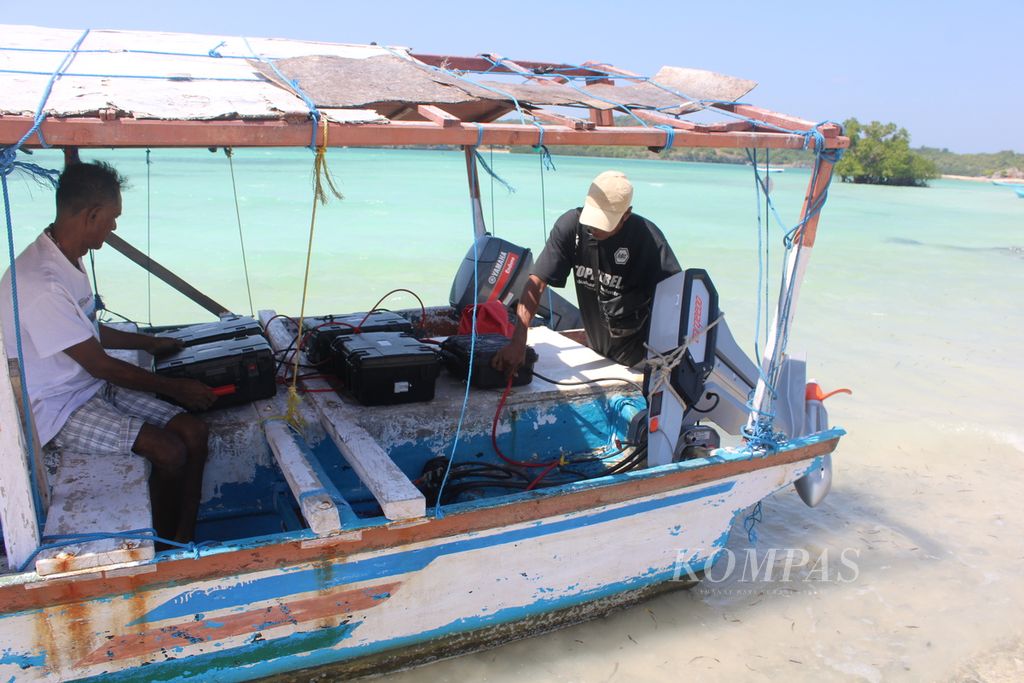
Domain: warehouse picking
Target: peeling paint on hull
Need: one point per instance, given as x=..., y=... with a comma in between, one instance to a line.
x=269, y=610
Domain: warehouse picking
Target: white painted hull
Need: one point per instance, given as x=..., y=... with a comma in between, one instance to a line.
x=346, y=608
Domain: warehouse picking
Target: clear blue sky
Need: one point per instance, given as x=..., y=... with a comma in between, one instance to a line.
x=951, y=72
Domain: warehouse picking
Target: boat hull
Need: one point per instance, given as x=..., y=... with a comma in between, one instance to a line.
x=362, y=603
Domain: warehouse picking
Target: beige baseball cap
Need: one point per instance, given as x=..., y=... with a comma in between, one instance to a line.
x=610, y=195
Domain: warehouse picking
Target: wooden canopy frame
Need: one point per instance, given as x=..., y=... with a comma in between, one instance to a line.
x=433, y=124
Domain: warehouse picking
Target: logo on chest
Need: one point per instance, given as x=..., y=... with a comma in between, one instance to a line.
x=621, y=256
x=588, y=278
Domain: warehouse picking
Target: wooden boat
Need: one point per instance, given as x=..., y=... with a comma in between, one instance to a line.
x=318, y=548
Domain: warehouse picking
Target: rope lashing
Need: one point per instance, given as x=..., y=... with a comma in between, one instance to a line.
x=670, y=137
x=63, y=540
x=321, y=176
x=314, y=112
x=480, y=159
x=213, y=51
x=663, y=363
x=545, y=155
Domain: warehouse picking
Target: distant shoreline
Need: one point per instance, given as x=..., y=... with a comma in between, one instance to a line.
x=983, y=179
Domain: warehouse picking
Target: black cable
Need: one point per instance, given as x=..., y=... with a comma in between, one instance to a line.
x=715, y=405
x=589, y=381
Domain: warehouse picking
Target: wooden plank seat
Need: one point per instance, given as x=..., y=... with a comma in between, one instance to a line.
x=394, y=492
x=98, y=494
x=322, y=506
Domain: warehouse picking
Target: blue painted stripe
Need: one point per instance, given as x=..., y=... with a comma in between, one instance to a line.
x=211, y=666
x=304, y=581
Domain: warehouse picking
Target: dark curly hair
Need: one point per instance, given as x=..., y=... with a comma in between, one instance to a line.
x=84, y=185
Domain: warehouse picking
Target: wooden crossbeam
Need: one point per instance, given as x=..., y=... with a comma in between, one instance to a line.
x=558, y=119
x=664, y=120
x=166, y=275
x=829, y=130
x=437, y=115
x=91, y=132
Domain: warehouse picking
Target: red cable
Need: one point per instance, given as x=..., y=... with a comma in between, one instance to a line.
x=494, y=438
x=541, y=475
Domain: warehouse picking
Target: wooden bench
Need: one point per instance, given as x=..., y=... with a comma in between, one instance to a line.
x=98, y=494
x=396, y=494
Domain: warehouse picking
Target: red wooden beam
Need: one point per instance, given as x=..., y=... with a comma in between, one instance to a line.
x=829, y=130
x=437, y=115
x=567, y=121
x=664, y=120
x=813, y=198
x=91, y=132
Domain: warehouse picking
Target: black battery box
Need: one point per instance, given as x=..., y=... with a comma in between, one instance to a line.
x=238, y=370
x=228, y=327
x=455, y=351
x=323, y=331
x=385, y=368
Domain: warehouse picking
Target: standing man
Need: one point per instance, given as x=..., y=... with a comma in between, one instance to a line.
x=617, y=258
x=82, y=399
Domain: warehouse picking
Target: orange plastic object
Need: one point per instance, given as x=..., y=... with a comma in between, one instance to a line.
x=815, y=393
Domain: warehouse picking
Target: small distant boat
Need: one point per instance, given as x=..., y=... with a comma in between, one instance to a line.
x=1018, y=186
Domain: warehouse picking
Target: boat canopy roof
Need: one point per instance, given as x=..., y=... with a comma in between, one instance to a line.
x=143, y=88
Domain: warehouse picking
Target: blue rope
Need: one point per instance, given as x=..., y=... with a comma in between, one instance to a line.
x=479, y=157
x=8, y=164
x=670, y=137
x=751, y=521
x=294, y=85
x=135, y=76
x=41, y=109
x=133, y=52
x=37, y=499
x=147, y=534
x=213, y=51
x=438, y=513
x=508, y=186
x=762, y=434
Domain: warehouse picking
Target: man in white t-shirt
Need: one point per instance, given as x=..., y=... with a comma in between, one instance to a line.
x=82, y=399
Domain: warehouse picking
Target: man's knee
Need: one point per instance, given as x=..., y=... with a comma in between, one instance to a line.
x=163, y=448
x=193, y=432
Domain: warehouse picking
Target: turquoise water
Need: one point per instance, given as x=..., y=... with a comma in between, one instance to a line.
x=912, y=299
x=904, y=283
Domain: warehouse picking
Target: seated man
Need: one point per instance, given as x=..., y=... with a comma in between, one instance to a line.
x=82, y=399
x=617, y=258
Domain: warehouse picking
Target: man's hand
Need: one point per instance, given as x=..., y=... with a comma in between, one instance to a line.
x=193, y=394
x=510, y=358
x=164, y=346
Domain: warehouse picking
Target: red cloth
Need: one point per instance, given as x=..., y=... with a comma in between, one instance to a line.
x=491, y=318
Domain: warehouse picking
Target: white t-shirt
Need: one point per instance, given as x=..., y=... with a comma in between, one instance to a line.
x=57, y=311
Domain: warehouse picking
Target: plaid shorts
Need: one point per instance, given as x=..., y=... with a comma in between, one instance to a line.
x=109, y=422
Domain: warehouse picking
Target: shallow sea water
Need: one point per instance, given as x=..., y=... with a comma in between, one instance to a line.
x=912, y=299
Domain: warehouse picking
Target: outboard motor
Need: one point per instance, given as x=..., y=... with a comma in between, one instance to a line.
x=503, y=270
x=685, y=304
